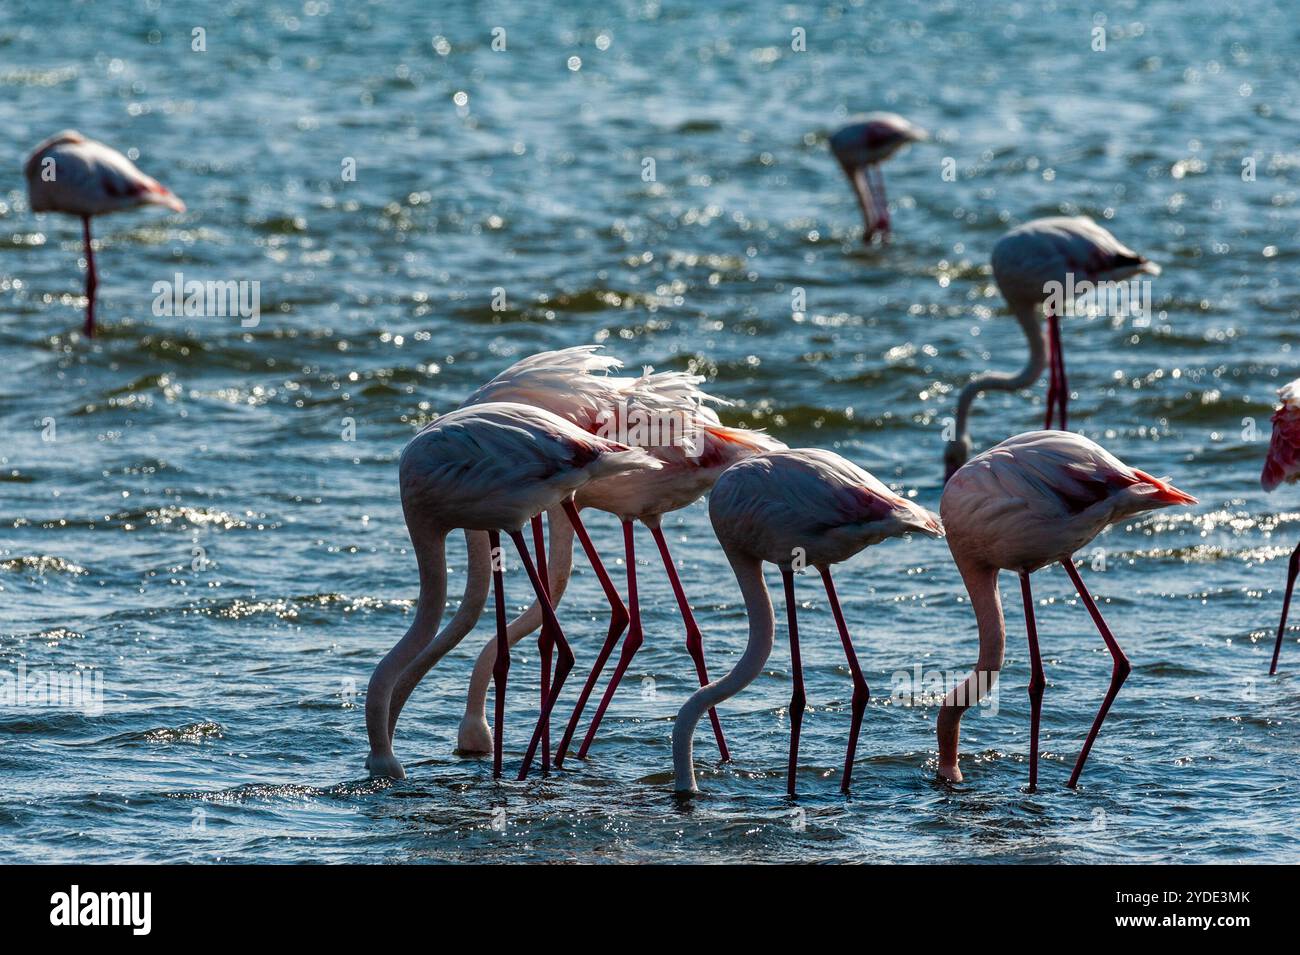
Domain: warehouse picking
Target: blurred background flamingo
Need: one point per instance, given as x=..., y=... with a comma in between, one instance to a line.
x=1062, y=250
x=77, y=176
x=860, y=147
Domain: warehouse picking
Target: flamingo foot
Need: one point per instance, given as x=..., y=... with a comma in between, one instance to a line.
x=384, y=766
x=474, y=738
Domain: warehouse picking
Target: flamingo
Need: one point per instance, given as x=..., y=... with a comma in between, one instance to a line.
x=1026, y=262
x=793, y=507
x=1031, y=500
x=694, y=448
x=489, y=467
x=860, y=147
x=1283, y=464
x=78, y=176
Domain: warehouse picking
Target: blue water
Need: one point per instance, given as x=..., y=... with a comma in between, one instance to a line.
x=232, y=722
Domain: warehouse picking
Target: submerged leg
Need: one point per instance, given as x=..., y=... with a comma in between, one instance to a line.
x=797, y=699
x=860, y=692
x=617, y=624
x=1286, y=605
x=501, y=668
x=545, y=638
x=1118, y=673
x=881, y=200
x=694, y=639
x=1037, y=682
x=564, y=656
x=631, y=644
x=92, y=279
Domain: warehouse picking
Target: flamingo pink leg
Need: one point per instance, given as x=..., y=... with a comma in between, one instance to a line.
x=501, y=668
x=861, y=694
x=797, y=698
x=694, y=639
x=618, y=622
x=1058, y=359
x=1053, y=388
x=1119, y=672
x=631, y=643
x=879, y=199
x=564, y=655
x=1037, y=681
x=545, y=638
x=1286, y=605
x=92, y=279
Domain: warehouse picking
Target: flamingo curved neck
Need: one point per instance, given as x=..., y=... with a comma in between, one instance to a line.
x=1004, y=381
x=981, y=582
x=431, y=558
x=762, y=624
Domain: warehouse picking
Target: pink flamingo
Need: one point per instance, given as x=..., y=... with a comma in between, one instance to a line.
x=1031, y=500
x=860, y=148
x=491, y=468
x=664, y=413
x=1283, y=464
x=793, y=508
x=1027, y=261
x=72, y=174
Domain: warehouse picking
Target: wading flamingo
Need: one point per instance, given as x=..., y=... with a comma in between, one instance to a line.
x=573, y=383
x=666, y=414
x=1031, y=500
x=1067, y=251
x=1283, y=464
x=489, y=467
x=860, y=148
x=804, y=506
x=72, y=174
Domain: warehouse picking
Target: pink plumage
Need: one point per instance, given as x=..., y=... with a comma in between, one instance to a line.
x=1283, y=461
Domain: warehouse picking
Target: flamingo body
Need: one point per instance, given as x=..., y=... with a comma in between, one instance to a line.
x=495, y=465
x=1039, y=497
x=808, y=503
x=89, y=179
x=1283, y=462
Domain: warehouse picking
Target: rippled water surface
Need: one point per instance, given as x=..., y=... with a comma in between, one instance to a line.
x=181, y=517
